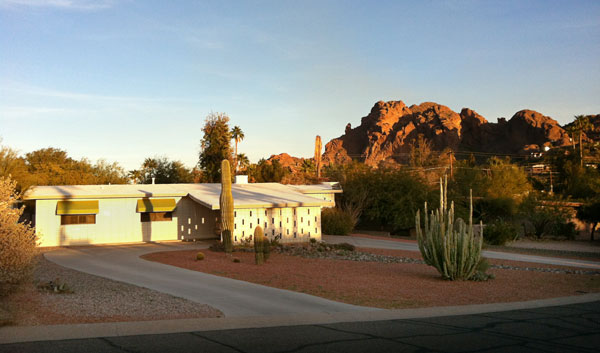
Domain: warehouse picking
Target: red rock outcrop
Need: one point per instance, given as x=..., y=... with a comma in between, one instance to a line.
x=391, y=128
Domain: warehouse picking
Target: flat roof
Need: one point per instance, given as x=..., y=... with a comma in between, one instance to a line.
x=252, y=195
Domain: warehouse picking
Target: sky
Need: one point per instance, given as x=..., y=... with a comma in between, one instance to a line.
x=131, y=79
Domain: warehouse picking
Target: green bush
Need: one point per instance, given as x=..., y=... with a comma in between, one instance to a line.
x=489, y=209
x=499, y=232
x=336, y=222
x=199, y=256
x=344, y=246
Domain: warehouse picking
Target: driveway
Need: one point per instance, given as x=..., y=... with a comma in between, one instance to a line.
x=412, y=246
x=232, y=297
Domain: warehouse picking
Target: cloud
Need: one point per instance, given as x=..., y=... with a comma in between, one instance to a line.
x=81, y=5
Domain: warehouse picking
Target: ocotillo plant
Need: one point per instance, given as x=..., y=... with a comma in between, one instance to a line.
x=259, y=242
x=455, y=253
x=226, y=205
x=318, y=155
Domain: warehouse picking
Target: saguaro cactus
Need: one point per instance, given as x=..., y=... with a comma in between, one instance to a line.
x=455, y=253
x=226, y=205
x=259, y=242
x=318, y=155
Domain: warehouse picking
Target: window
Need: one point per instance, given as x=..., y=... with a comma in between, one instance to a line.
x=309, y=211
x=265, y=225
x=316, y=231
x=273, y=232
x=250, y=213
x=265, y=212
x=308, y=222
x=280, y=223
x=242, y=221
x=250, y=225
x=156, y=216
x=288, y=220
x=235, y=226
x=258, y=221
x=294, y=223
x=78, y=219
x=315, y=218
x=294, y=211
x=235, y=214
x=301, y=219
x=273, y=220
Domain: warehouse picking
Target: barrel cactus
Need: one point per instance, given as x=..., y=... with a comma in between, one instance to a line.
x=259, y=242
x=448, y=245
x=226, y=205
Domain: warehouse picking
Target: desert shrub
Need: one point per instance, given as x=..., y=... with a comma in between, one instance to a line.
x=590, y=212
x=17, y=240
x=199, y=256
x=499, y=232
x=383, y=198
x=545, y=219
x=335, y=221
x=489, y=209
x=344, y=246
x=237, y=260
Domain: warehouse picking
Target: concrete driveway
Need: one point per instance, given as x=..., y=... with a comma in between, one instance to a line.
x=412, y=246
x=232, y=297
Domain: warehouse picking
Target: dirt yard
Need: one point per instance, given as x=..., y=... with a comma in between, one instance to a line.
x=385, y=285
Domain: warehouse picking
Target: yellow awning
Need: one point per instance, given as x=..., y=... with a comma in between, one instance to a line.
x=156, y=205
x=77, y=207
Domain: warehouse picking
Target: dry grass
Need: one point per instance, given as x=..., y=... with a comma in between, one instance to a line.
x=383, y=285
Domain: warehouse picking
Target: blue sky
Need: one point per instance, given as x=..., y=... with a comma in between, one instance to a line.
x=126, y=80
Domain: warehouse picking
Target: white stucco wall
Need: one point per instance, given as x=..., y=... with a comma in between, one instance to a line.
x=289, y=224
x=116, y=222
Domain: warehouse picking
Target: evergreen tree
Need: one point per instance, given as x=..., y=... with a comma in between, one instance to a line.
x=215, y=146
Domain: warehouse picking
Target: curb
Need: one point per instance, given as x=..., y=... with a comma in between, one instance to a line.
x=17, y=334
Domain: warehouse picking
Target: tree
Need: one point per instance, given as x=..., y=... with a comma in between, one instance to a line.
x=590, y=212
x=582, y=124
x=163, y=171
x=17, y=240
x=215, y=146
x=507, y=180
x=238, y=135
x=243, y=161
x=267, y=171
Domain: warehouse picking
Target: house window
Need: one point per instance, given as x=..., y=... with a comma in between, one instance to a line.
x=258, y=221
x=273, y=232
x=235, y=226
x=280, y=211
x=242, y=221
x=280, y=223
x=294, y=223
x=78, y=219
x=294, y=234
x=294, y=211
x=309, y=211
x=315, y=218
x=308, y=222
x=288, y=232
x=273, y=220
x=309, y=234
x=250, y=213
x=156, y=216
x=250, y=225
x=265, y=225
x=316, y=231
x=301, y=219
x=235, y=214
x=265, y=212
x=288, y=220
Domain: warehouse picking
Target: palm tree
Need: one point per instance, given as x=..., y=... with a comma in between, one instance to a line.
x=238, y=135
x=243, y=160
x=582, y=124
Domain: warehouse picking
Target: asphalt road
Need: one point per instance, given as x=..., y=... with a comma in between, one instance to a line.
x=568, y=328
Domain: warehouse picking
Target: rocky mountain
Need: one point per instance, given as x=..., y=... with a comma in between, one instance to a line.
x=391, y=128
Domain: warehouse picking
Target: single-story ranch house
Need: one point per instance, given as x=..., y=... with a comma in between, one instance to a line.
x=97, y=214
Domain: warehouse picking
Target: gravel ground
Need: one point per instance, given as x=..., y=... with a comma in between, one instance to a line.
x=90, y=298
x=394, y=284
x=368, y=256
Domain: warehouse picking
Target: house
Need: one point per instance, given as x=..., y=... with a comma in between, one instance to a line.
x=101, y=214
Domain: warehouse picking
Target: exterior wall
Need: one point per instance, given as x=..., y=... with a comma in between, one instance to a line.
x=195, y=221
x=289, y=225
x=327, y=196
x=116, y=222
